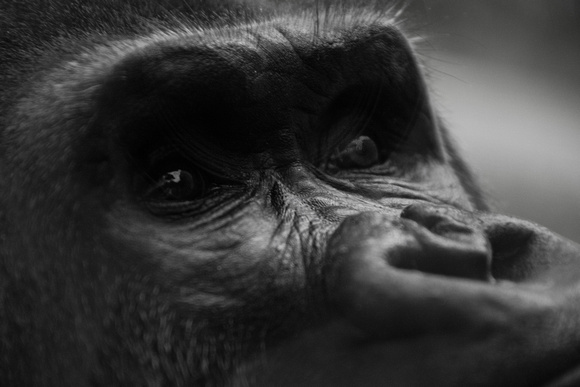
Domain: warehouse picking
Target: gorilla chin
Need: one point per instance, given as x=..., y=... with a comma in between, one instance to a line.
x=202, y=193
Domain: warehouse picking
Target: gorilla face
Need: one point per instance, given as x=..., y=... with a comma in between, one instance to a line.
x=198, y=194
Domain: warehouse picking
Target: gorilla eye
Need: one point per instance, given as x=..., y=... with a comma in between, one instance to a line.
x=167, y=176
x=362, y=152
x=177, y=185
x=361, y=128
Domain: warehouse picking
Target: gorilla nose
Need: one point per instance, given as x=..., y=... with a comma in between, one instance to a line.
x=379, y=270
x=448, y=242
x=427, y=238
x=526, y=252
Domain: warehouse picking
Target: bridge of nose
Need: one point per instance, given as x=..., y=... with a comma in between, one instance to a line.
x=299, y=188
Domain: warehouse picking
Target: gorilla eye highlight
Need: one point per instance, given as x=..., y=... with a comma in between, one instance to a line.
x=168, y=177
x=177, y=185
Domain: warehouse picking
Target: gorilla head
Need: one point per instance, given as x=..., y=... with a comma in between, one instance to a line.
x=214, y=193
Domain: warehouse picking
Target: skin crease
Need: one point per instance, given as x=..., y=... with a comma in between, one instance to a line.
x=213, y=193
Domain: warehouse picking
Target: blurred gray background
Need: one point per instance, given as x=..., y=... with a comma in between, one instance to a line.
x=506, y=74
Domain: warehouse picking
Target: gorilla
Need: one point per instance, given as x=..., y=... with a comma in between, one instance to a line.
x=228, y=193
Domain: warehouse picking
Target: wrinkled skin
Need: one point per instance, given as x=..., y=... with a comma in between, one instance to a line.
x=251, y=197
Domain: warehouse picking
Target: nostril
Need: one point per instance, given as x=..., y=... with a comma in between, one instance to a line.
x=452, y=241
x=527, y=252
x=509, y=239
x=512, y=242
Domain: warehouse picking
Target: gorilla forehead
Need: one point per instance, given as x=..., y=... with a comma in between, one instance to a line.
x=272, y=78
x=278, y=67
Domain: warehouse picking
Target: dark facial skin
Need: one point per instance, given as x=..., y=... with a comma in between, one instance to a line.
x=254, y=197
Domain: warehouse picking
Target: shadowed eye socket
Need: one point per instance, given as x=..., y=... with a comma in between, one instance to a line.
x=360, y=142
x=363, y=127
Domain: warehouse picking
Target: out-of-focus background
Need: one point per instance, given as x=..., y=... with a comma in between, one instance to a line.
x=506, y=74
